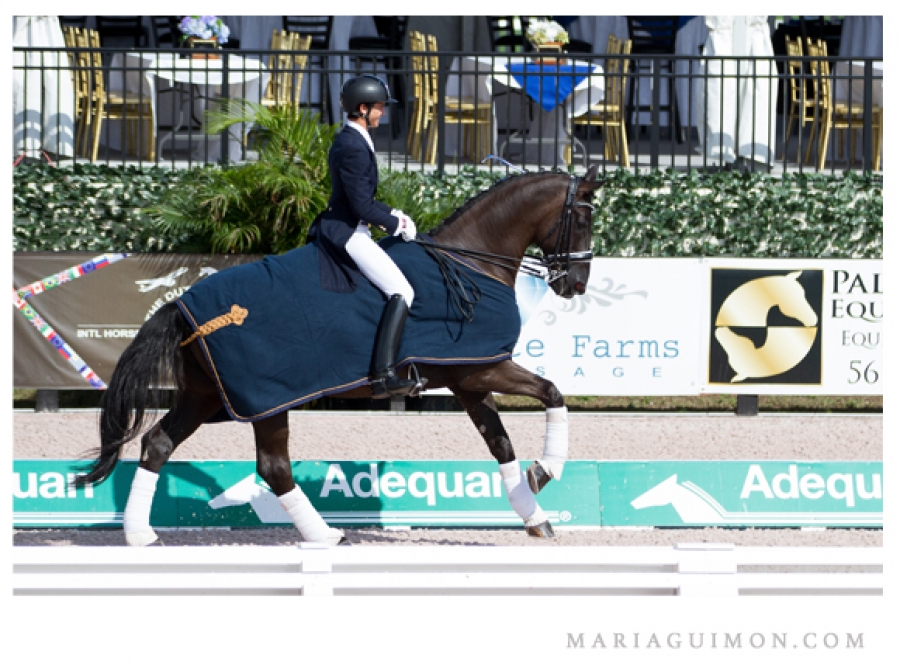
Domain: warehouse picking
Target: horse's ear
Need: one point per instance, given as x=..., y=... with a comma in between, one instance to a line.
x=591, y=174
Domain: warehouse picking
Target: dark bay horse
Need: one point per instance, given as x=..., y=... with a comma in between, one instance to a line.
x=494, y=230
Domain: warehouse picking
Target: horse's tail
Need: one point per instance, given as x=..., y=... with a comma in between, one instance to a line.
x=150, y=361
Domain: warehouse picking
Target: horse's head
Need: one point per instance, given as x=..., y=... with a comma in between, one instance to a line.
x=566, y=240
x=792, y=299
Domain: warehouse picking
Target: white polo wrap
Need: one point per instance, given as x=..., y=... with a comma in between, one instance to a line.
x=136, y=521
x=556, y=442
x=520, y=497
x=306, y=519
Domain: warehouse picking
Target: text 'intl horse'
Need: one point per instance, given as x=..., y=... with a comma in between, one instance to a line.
x=229, y=354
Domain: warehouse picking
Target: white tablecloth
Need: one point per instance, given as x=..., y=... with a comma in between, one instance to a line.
x=482, y=77
x=862, y=36
x=43, y=102
x=690, y=38
x=247, y=79
x=255, y=34
x=597, y=29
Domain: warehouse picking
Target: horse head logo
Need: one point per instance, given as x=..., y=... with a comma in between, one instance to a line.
x=691, y=503
x=749, y=307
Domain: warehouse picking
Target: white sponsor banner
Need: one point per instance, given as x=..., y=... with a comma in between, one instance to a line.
x=798, y=327
x=634, y=332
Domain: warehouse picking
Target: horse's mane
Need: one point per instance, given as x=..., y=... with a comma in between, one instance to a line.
x=472, y=201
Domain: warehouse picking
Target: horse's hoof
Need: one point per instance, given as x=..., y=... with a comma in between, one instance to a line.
x=537, y=477
x=541, y=530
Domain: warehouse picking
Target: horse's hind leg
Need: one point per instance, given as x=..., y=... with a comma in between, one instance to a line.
x=483, y=411
x=194, y=406
x=273, y=463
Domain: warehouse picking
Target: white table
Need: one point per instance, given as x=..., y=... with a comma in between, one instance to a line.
x=255, y=34
x=482, y=77
x=43, y=101
x=247, y=79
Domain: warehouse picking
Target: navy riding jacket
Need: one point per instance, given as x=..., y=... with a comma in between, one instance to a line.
x=354, y=181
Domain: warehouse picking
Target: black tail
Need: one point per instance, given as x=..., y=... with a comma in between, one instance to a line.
x=150, y=361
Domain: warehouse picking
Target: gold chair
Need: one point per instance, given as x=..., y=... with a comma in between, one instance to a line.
x=803, y=107
x=474, y=116
x=610, y=113
x=839, y=115
x=287, y=69
x=419, y=120
x=79, y=63
x=129, y=108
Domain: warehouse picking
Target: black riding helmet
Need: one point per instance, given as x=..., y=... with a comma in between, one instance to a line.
x=366, y=90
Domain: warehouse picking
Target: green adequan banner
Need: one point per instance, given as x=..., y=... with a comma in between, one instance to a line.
x=230, y=494
x=440, y=493
x=742, y=494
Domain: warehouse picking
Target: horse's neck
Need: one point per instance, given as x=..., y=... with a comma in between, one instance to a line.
x=504, y=225
x=490, y=229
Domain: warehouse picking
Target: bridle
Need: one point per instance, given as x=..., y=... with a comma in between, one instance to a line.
x=551, y=267
x=558, y=263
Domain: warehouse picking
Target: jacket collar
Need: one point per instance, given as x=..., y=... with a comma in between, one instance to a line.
x=363, y=133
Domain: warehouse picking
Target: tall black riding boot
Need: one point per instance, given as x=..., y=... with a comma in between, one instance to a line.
x=385, y=381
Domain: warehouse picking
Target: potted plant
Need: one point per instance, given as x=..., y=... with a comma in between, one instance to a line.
x=547, y=36
x=207, y=32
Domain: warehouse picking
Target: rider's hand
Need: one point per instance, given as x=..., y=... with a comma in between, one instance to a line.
x=407, y=228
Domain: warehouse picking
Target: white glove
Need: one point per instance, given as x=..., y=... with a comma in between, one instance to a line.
x=407, y=228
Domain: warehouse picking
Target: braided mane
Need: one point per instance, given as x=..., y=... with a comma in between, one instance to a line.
x=468, y=204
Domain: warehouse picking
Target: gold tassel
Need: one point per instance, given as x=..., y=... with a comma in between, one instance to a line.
x=236, y=316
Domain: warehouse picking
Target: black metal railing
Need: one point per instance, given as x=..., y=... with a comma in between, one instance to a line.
x=147, y=106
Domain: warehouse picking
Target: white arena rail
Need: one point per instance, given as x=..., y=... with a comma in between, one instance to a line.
x=683, y=569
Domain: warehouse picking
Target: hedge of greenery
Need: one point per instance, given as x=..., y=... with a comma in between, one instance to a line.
x=656, y=214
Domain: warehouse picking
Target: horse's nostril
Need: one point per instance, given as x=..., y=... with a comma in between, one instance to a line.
x=579, y=288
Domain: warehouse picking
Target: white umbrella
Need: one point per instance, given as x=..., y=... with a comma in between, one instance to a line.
x=740, y=120
x=43, y=102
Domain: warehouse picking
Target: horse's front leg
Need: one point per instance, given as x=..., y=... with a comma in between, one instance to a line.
x=483, y=411
x=511, y=379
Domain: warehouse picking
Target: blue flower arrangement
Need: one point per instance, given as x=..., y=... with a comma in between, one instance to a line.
x=204, y=27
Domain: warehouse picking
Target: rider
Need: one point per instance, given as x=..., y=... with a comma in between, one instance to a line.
x=352, y=209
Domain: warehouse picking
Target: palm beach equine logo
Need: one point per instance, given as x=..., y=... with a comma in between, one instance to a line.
x=766, y=326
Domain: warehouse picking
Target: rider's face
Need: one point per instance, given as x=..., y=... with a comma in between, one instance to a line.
x=375, y=113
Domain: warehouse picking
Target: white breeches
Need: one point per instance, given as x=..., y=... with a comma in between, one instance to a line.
x=377, y=266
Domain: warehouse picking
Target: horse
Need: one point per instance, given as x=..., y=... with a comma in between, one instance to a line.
x=493, y=231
